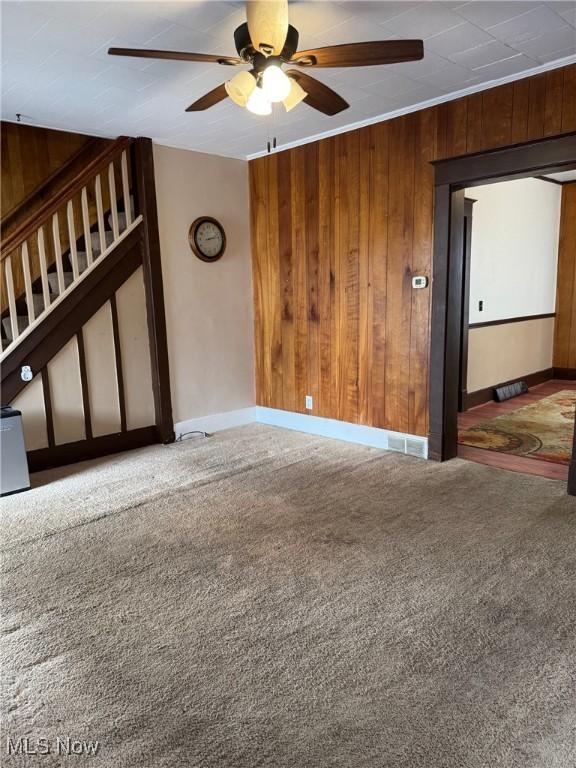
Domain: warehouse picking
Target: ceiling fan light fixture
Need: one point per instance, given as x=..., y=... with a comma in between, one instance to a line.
x=296, y=95
x=259, y=103
x=240, y=87
x=275, y=83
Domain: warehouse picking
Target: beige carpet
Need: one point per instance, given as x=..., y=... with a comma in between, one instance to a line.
x=266, y=598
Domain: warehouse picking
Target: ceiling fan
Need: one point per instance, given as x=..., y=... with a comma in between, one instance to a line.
x=267, y=41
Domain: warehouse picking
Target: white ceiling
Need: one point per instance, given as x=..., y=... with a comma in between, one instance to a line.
x=56, y=71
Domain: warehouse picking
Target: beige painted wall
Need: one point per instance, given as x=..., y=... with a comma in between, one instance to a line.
x=65, y=382
x=208, y=306
x=499, y=353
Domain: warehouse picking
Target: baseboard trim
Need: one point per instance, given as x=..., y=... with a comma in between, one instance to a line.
x=216, y=422
x=481, y=396
x=569, y=374
x=414, y=445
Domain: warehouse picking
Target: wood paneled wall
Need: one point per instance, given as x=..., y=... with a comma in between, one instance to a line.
x=565, y=329
x=29, y=156
x=340, y=226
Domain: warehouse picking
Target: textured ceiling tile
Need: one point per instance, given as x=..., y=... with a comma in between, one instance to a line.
x=484, y=55
x=527, y=26
x=424, y=21
x=458, y=39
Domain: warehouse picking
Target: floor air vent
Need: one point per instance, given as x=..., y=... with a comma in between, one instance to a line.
x=416, y=448
x=510, y=390
x=397, y=443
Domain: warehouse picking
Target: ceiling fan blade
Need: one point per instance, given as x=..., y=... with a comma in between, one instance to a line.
x=361, y=54
x=319, y=96
x=143, y=53
x=209, y=99
x=267, y=24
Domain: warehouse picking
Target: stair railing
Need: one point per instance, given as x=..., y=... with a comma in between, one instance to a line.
x=79, y=213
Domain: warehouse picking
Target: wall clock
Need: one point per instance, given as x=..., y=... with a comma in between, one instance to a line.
x=207, y=238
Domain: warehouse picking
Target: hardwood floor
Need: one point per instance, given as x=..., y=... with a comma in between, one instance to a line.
x=508, y=461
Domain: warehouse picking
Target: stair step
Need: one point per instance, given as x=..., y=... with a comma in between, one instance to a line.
x=7, y=325
x=53, y=281
x=38, y=300
x=95, y=237
x=122, y=216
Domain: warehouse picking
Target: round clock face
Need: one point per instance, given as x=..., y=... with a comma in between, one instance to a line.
x=207, y=239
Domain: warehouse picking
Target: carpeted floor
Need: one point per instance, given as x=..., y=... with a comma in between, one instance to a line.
x=267, y=598
x=543, y=430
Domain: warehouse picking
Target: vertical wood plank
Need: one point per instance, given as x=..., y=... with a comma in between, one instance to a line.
x=520, y=105
x=553, y=102
x=565, y=322
x=474, y=130
x=286, y=279
x=258, y=200
x=456, y=127
x=497, y=109
x=365, y=278
x=379, y=222
x=569, y=100
x=325, y=251
x=118, y=358
x=273, y=293
x=311, y=159
x=399, y=287
x=298, y=215
x=536, y=106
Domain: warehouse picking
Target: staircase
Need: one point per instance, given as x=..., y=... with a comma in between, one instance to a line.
x=62, y=262
x=39, y=302
x=40, y=269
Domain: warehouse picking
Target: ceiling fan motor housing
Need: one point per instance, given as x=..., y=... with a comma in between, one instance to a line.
x=247, y=52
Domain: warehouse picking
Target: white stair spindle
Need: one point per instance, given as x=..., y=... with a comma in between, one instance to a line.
x=100, y=213
x=28, y=283
x=58, y=253
x=126, y=189
x=43, y=268
x=86, y=225
x=113, y=203
x=72, y=239
x=11, y=297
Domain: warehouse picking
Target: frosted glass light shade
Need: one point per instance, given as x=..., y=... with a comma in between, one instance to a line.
x=296, y=95
x=259, y=103
x=275, y=83
x=241, y=87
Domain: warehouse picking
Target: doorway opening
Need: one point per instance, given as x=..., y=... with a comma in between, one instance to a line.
x=456, y=182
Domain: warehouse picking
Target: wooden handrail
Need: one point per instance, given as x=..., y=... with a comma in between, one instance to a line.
x=51, y=183
x=47, y=209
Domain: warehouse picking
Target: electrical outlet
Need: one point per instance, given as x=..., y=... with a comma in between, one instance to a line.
x=308, y=403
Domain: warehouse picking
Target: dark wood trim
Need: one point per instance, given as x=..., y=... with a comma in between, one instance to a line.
x=572, y=470
x=64, y=321
x=451, y=177
x=118, y=358
x=569, y=374
x=71, y=453
x=84, y=384
x=48, y=407
x=30, y=225
x=481, y=396
x=555, y=181
x=151, y=262
x=508, y=320
x=514, y=162
x=468, y=218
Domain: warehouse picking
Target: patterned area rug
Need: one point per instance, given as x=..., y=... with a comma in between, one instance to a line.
x=542, y=431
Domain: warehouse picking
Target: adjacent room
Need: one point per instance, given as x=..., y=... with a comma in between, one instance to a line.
x=288, y=376
x=517, y=375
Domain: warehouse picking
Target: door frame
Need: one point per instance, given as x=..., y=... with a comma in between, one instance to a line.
x=451, y=177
